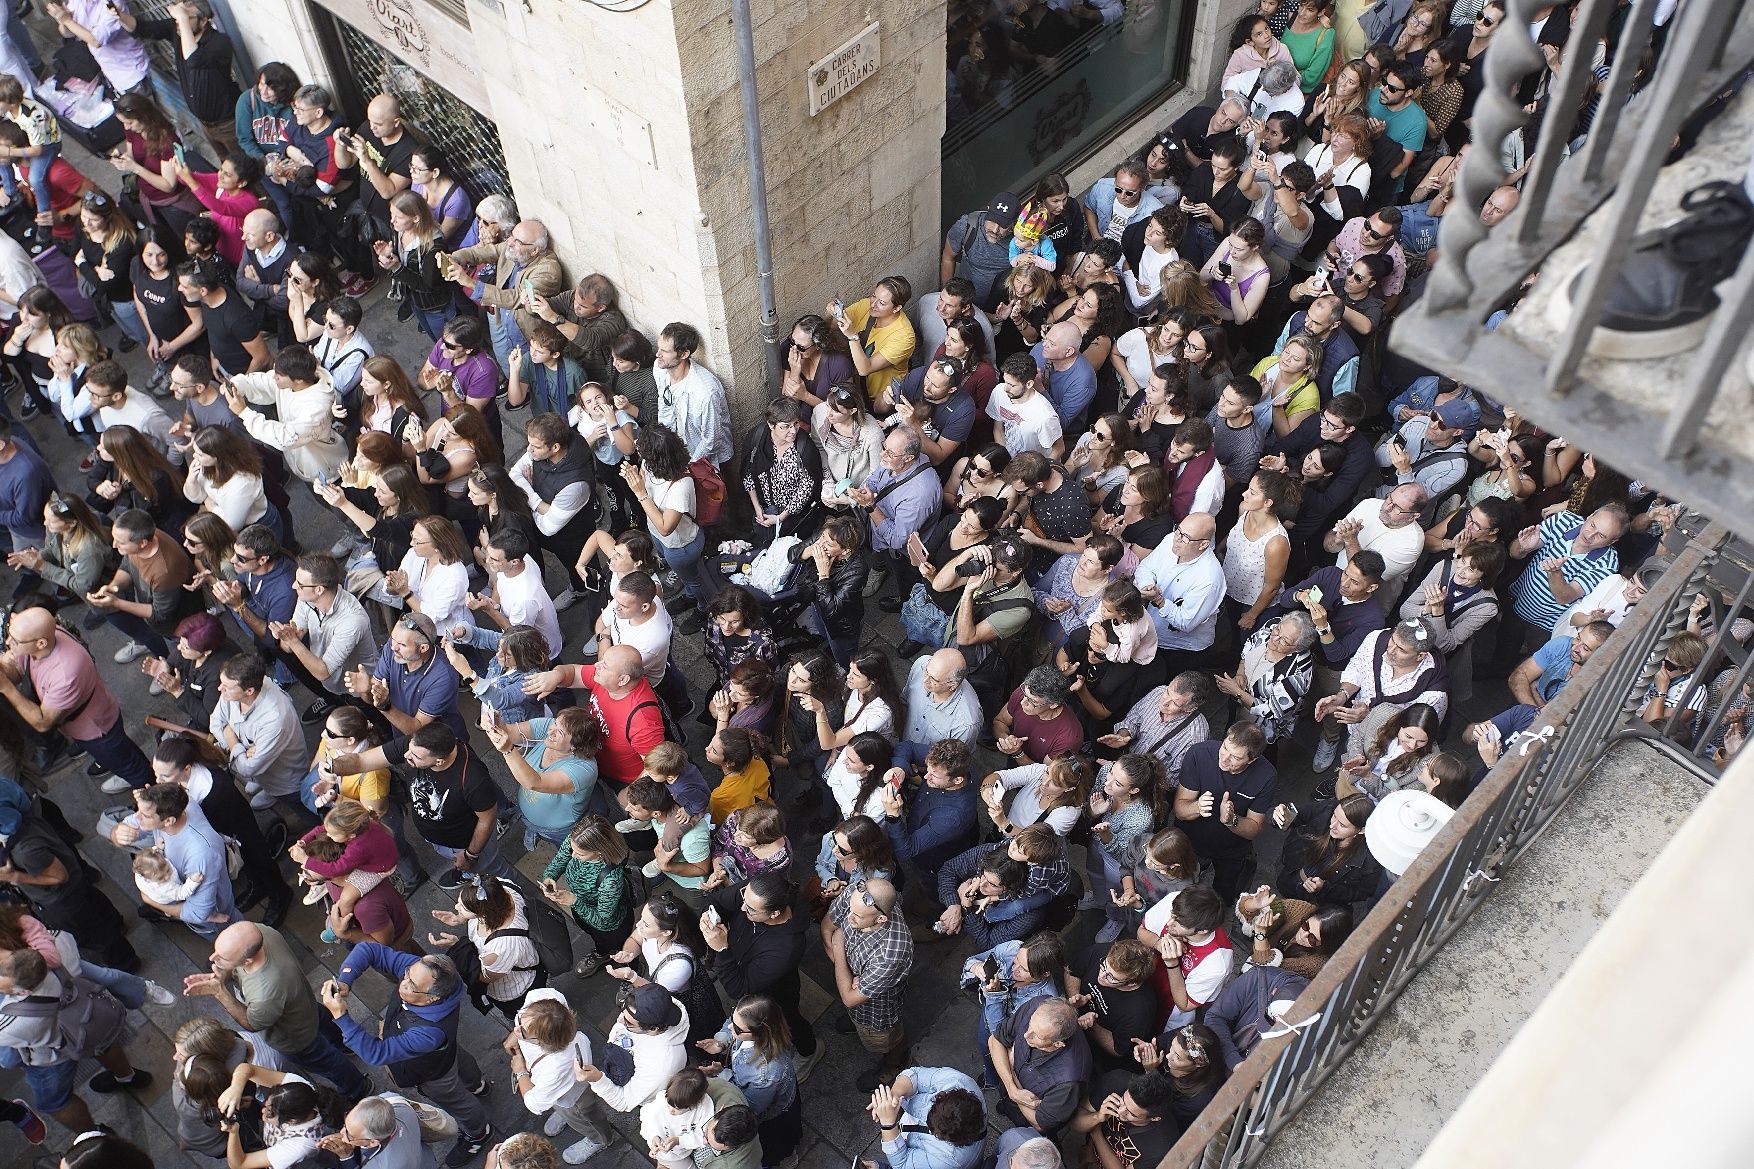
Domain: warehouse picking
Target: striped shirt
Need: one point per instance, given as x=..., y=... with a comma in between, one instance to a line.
x=1535, y=602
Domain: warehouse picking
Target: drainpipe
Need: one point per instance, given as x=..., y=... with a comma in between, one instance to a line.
x=770, y=321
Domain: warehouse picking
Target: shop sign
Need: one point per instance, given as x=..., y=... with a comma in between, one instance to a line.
x=844, y=70
x=426, y=36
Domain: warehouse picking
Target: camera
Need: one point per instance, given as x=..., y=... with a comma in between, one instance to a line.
x=973, y=566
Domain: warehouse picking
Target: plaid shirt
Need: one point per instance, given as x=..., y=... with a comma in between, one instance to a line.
x=880, y=960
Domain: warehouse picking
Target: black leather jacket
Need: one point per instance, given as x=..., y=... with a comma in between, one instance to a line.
x=840, y=598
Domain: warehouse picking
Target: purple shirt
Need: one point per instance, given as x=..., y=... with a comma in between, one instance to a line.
x=477, y=376
x=118, y=53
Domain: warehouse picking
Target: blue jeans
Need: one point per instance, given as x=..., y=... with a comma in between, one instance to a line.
x=432, y=322
x=116, y=751
x=128, y=320
x=491, y=863
x=327, y=1057
x=136, y=629
x=39, y=177
x=129, y=989
x=698, y=582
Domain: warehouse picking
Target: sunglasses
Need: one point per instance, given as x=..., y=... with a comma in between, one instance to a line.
x=98, y=200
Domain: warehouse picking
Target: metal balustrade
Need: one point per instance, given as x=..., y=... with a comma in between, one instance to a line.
x=1503, y=817
x=1659, y=430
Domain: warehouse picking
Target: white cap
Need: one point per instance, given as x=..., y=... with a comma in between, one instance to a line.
x=1402, y=825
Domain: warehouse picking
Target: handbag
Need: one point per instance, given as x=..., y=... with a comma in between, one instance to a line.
x=709, y=493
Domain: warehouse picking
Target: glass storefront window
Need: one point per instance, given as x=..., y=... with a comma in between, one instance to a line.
x=1035, y=84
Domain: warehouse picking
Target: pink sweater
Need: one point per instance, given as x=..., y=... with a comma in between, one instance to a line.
x=37, y=937
x=373, y=850
x=228, y=212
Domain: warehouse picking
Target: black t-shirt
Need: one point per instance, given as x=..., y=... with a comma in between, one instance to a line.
x=1137, y=1146
x=445, y=802
x=1252, y=791
x=32, y=849
x=228, y=327
x=1061, y=516
x=1230, y=203
x=166, y=313
x=390, y=537
x=1190, y=131
x=393, y=160
x=1128, y=1014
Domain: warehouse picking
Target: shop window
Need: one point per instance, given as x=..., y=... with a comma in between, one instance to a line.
x=1042, y=87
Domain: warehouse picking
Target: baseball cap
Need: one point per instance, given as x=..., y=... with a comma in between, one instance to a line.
x=1459, y=414
x=1002, y=210
x=652, y=1007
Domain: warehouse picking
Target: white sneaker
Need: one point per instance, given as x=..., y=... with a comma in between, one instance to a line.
x=1327, y=751
x=156, y=688
x=583, y=1151
x=130, y=652
x=552, y=1126
x=261, y=800
x=566, y=601
x=316, y=894
x=158, y=994
x=114, y=785
x=631, y=825
x=251, y=787
x=651, y=870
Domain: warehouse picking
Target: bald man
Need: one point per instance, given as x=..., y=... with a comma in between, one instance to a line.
x=256, y=979
x=633, y=718
x=941, y=704
x=380, y=152
x=1066, y=377
x=1182, y=582
x=524, y=267
x=66, y=694
x=268, y=255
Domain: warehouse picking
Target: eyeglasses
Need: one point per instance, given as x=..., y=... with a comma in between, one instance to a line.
x=98, y=200
x=1190, y=539
x=1128, y=192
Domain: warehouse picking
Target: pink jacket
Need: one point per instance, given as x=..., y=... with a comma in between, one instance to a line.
x=373, y=850
x=228, y=212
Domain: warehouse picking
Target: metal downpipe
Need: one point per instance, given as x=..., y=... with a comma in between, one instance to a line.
x=758, y=191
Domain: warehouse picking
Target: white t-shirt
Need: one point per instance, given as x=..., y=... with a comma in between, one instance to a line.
x=674, y=975
x=876, y=718
x=290, y=1148
x=1025, y=808
x=552, y=1082
x=651, y=637
x=504, y=955
x=1151, y=266
x=673, y=495
x=1031, y=425
x=525, y=601
x=1609, y=596
x=442, y=593
x=1399, y=547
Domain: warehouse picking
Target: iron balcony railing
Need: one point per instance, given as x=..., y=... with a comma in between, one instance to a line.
x=1519, y=797
x=1647, y=418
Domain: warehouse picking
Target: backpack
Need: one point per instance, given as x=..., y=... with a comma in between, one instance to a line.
x=88, y=1019
x=1005, y=662
x=673, y=731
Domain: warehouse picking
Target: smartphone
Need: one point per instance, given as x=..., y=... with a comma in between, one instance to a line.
x=1315, y=594
x=180, y=153
x=1398, y=439
x=843, y=486
x=710, y=916
x=839, y=306
x=990, y=968
x=895, y=784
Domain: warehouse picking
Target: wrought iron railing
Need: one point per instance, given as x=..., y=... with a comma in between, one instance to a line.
x=1705, y=50
x=1501, y=819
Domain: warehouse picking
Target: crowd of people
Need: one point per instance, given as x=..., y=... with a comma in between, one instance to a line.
x=1167, y=530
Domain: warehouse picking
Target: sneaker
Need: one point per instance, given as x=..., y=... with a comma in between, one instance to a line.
x=127, y=344
x=1109, y=932
x=566, y=601
x=261, y=801
x=105, y=1082
x=156, y=688
x=95, y=769
x=808, y=1063
x=631, y=825
x=582, y=1151
x=651, y=870
x=360, y=285
x=148, y=913
x=590, y=647
x=874, y=583
x=909, y=648
x=692, y=624
x=406, y=888
x=130, y=652
x=316, y=895
x=468, y=1148
x=88, y=462
x=316, y=712
x=158, y=994
x=1326, y=752
x=552, y=1127
x=1662, y=300
x=30, y=1124
x=482, y=1088
x=29, y=409
x=115, y=785
x=328, y=935
x=451, y=878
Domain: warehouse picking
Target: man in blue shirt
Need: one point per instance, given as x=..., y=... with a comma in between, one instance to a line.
x=938, y=819
x=1066, y=378
x=931, y=399
x=1394, y=111
x=412, y=684
x=901, y=497
x=191, y=846
x=263, y=593
x=1538, y=679
x=931, y=1118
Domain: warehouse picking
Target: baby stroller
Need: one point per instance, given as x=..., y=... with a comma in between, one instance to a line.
x=773, y=576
